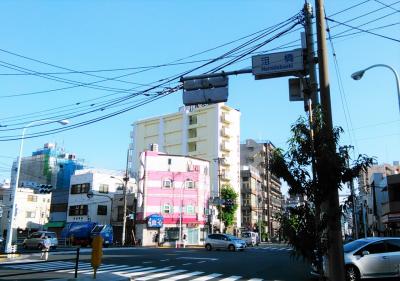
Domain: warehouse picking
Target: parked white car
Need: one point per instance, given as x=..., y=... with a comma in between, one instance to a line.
x=37, y=240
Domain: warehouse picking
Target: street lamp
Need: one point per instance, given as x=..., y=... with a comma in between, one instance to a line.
x=125, y=184
x=359, y=74
x=8, y=248
x=91, y=194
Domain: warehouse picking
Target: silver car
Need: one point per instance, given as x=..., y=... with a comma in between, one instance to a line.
x=224, y=241
x=373, y=257
x=37, y=240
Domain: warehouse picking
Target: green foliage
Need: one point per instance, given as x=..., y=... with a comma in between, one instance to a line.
x=227, y=212
x=304, y=225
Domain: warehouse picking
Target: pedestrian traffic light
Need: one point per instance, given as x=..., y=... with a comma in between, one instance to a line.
x=45, y=188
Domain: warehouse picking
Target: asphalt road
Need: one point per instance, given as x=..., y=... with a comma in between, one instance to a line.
x=271, y=262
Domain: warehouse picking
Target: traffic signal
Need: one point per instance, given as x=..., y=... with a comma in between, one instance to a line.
x=45, y=188
x=229, y=202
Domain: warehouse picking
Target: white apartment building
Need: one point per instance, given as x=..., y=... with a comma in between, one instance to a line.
x=32, y=209
x=104, y=185
x=206, y=132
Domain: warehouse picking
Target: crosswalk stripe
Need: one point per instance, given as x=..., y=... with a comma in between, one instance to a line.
x=158, y=275
x=183, y=276
x=42, y=266
x=134, y=269
x=255, y=279
x=231, y=278
x=114, y=268
x=137, y=273
x=207, y=277
x=103, y=267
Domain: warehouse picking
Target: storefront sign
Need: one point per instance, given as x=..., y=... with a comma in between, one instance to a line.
x=155, y=221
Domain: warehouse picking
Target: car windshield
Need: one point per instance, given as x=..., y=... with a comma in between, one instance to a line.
x=349, y=247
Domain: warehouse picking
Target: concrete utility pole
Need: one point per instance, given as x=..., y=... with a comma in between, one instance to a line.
x=268, y=191
x=125, y=179
x=219, y=160
x=331, y=205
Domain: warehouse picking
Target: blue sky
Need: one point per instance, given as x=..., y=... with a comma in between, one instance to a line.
x=101, y=35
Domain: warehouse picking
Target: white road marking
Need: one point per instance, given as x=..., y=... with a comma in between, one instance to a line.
x=201, y=261
x=183, y=276
x=193, y=258
x=165, y=260
x=207, y=277
x=187, y=263
x=137, y=273
x=158, y=275
x=147, y=262
x=231, y=278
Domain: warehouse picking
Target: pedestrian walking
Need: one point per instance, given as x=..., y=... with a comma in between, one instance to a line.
x=45, y=249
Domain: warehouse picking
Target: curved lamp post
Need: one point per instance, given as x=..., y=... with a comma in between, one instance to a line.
x=359, y=74
x=8, y=248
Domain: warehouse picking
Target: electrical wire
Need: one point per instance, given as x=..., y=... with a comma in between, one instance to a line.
x=342, y=93
x=241, y=46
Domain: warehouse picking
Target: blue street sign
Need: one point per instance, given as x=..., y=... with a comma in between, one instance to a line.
x=155, y=221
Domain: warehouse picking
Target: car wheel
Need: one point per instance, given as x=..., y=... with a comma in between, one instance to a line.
x=352, y=273
x=231, y=248
x=24, y=246
x=208, y=247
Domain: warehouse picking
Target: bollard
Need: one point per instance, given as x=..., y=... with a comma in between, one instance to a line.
x=97, y=253
x=77, y=262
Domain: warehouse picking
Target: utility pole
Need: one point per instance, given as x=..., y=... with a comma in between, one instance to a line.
x=219, y=160
x=268, y=191
x=125, y=179
x=331, y=204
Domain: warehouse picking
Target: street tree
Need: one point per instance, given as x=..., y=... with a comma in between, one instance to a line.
x=311, y=170
x=228, y=209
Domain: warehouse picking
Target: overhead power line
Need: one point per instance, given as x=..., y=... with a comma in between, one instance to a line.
x=365, y=31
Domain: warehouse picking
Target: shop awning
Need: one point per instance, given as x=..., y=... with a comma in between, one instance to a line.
x=54, y=224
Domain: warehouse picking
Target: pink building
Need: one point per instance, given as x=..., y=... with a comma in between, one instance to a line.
x=173, y=189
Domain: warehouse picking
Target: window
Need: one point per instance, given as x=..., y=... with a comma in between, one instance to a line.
x=103, y=188
x=192, y=146
x=120, y=214
x=192, y=119
x=78, y=210
x=32, y=198
x=1, y=197
x=189, y=184
x=190, y=210
x=171, y=234
x=374, y=248
x=167, y=183
x=393, y=245
x=36, y=235
x=167, y=209
x=30, y=215
x=102, y=210
x=192, y=133
x=80, y=188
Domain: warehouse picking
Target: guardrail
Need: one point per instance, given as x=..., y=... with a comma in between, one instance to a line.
x=40, y=270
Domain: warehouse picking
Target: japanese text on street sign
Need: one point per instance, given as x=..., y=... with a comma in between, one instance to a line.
x=278, y=64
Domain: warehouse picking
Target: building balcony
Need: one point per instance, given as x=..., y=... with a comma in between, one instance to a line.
x=225, y=132
x=225, y=146
x=225, y=118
